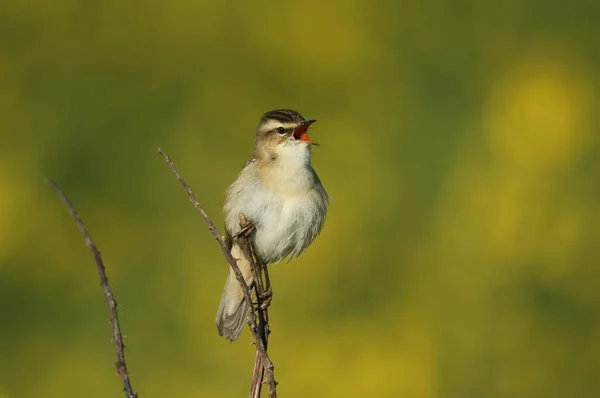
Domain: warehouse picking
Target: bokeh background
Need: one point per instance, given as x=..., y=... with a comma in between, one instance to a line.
x=459, y=145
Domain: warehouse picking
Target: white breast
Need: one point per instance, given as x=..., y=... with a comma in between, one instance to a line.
x=285, y=206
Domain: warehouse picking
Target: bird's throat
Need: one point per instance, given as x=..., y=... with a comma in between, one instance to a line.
x=287, y=174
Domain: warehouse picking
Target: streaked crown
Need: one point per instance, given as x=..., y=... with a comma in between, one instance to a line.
x=284, y=116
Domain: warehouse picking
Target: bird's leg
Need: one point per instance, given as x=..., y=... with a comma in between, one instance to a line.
x=264, y=300
x=267, y=293
x=267, y=280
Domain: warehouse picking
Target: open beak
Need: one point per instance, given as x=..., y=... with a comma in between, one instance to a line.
x=300, y=132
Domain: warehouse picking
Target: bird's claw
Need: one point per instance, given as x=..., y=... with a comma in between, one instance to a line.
x=263, y=300
x=264, y=304
x=267, y=294
x=246, y=226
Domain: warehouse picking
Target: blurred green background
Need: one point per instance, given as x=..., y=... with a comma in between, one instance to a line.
x=459, y=144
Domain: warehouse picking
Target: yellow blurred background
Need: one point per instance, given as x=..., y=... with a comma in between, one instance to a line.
x=459, y=145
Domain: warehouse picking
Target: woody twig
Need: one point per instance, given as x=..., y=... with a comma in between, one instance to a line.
x=258, y=318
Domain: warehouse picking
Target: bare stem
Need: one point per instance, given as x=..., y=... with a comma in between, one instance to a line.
x=263, y=298
x=259, y=329
x=112, y=304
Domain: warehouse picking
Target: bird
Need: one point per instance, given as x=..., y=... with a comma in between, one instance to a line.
x=280, y=194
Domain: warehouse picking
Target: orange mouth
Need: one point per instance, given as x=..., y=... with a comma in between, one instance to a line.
x=300, y=132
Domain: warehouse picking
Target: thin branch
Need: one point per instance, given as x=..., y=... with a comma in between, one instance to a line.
x=262, y=358
x=112, y=304
x=263, y=298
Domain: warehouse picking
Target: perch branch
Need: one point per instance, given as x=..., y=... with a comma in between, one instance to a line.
x=258, y=323
x=112, y=304
x=263, y=298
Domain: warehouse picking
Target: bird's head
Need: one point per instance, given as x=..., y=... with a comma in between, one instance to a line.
x=283, y=133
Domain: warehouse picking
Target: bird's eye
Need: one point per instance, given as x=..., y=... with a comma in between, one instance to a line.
x=281, y=131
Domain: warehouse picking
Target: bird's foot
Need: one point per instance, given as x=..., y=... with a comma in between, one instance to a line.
x=264, y=299
x=246, y=226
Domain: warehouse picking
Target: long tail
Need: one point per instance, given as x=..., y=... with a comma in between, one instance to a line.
x=233, y=309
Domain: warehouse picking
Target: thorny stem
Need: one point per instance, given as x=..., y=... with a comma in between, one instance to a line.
x=260, y=329
x=263, y=322
x=112, y=304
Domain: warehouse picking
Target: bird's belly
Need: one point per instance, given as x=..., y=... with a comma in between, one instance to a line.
x=284, y=228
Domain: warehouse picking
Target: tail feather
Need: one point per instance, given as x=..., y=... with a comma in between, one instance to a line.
x=233, y=308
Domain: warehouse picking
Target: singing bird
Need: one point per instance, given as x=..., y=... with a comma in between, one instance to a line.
x=281, y=195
